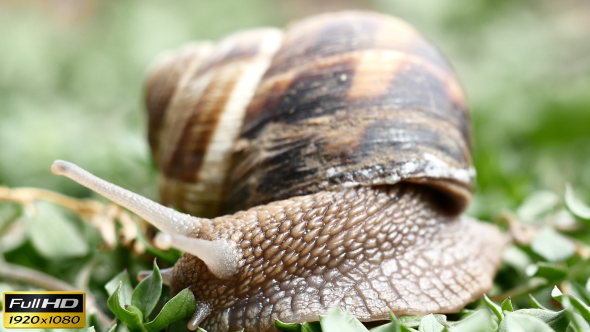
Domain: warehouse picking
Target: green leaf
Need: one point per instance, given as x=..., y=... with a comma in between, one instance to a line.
x=464, y=313
x=408, y=329
x=122, y=328
x=571, y=302
x=341, y=321
x=480, y=321
x=410, y=321
x=557, y=294
x=48, y=226
x=430, y=324
x=287, y=327
x=126, y=289
x=135, y=310
x=578, y=322
x=9, y=214
x=580, y=291
x=536, y=205
x=536, y=304
x=147, y=293
x=553, y=246
x=394, y=326
x=92, y=320
x=507, y=305
x=567, y=300
x=580, y=306
x=516, y=257
x=556, y=320
x=181, y=306
x=575, y=205
x=130, y=316
x=311, y=327
x=414, y=321
x=549, y=271
x=514, y=322
x=112, y=328
x=496, y=309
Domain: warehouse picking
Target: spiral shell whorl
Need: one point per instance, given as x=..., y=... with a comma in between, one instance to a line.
x=201, y=118
x=342, y=100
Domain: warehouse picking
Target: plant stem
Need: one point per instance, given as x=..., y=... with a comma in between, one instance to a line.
x=27, y=196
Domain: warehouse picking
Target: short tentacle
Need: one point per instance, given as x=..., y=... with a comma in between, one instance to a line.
x=203, y=310
x=220, y=257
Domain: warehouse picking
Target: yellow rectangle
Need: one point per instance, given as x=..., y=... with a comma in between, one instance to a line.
x=45, y=320
x=30, y=310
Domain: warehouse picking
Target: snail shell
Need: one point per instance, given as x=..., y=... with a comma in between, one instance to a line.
x=345, y=140
x=339, y=100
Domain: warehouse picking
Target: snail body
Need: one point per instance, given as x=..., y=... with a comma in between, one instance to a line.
x=344, y=145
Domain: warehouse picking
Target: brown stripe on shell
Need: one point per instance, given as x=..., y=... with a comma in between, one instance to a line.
x=190, y=150
x=393, y=81
x=377, y=69
x=373, y=74
x=220, y=88
x=310, y=125
x=167, y=73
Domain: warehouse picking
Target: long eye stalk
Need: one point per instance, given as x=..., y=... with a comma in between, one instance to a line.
x=165, y=219
x=219, y=256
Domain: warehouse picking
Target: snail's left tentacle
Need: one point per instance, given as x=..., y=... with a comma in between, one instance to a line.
x=219, y=256
x=165, y=219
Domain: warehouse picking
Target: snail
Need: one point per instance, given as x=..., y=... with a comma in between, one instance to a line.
x=338, y=152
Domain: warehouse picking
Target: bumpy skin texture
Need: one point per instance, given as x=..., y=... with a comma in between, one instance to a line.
x=367, y=250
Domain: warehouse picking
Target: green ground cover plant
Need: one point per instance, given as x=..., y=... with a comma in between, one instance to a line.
x=71, y=88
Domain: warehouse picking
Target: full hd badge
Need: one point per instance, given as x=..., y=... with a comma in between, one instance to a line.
x=26, y=310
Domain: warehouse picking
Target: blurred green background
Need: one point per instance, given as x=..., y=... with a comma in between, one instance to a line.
x=72, y=72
